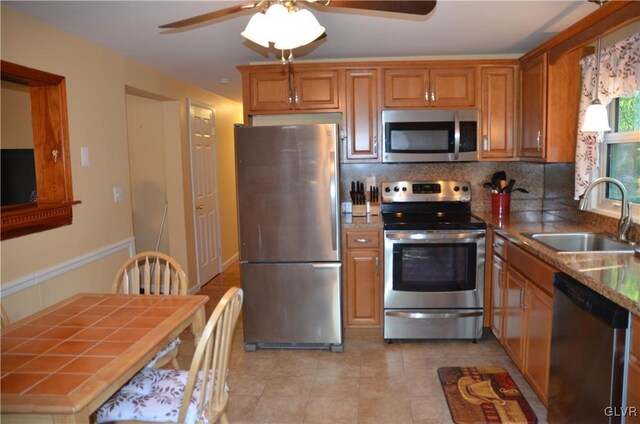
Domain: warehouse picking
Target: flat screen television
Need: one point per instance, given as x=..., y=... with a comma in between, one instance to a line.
x=18, y=176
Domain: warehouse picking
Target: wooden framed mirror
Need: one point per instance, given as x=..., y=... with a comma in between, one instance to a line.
x=48, y=204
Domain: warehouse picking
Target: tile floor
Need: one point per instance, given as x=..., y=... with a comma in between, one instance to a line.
x=370, y=382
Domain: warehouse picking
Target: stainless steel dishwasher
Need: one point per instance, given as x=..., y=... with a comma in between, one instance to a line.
x=588, y=349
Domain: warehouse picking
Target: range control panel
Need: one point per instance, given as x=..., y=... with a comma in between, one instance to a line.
x=426, y=191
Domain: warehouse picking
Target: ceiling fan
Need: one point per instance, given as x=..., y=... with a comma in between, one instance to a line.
x=413, y=7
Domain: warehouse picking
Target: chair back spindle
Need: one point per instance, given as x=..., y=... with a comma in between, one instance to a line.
x=151, y=273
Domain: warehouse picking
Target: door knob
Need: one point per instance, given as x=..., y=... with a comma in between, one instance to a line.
x=199, y=207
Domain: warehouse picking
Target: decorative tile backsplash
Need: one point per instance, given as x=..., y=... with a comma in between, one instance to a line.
x=527, y=175
x=550, y=186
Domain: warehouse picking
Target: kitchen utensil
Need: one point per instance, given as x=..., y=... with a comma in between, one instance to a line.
x=520, y=189
x=509, y=186
x=497, y=177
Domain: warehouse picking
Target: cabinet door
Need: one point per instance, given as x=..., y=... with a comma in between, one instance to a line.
x=362, y=115
x=497, y=304
x=514, y=324
x=533, y=107
x=316, y=90
x=452, y=87
x=538, y=306
x=633, y=389
x=406, y=87
x=363, y=288
x=269, y=91
x=498, y=112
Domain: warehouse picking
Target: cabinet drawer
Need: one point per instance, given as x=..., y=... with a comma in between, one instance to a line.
x=363, y=239
x=635, y=337
x=533, y=268
x=500, y=246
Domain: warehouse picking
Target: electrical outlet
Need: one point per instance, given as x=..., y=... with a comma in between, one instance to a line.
x=347, y=207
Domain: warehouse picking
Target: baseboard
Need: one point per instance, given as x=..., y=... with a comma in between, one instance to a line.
x=226, y=264
x=40, y=276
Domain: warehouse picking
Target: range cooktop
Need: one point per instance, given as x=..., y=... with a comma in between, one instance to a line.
x=423, y=205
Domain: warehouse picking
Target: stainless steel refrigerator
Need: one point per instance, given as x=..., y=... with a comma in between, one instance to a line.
x=289, y=226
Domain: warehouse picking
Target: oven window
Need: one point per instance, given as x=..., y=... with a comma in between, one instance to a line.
x=434, y=267
x=419, y=137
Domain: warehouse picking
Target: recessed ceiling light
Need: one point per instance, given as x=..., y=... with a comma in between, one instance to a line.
x=224, y=80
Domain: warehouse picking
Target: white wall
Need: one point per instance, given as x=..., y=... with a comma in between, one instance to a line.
x=96, y=80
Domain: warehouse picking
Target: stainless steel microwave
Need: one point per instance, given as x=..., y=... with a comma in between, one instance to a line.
x=430, y=135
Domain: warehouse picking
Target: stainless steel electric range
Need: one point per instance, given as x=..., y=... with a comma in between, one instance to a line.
x=434, y=251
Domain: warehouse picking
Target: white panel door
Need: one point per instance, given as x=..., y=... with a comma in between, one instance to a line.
x=205, y=191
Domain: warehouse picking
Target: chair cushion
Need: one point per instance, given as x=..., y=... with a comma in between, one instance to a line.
x=164, y=352
x=151, y=395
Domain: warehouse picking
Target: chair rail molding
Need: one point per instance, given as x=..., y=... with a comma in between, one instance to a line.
x=42, y=275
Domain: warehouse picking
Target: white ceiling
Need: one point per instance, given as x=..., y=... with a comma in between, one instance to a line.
x=204, y=55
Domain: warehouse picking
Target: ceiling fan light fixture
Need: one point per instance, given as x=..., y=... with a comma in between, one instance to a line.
x=256, y=30
x=301, y=29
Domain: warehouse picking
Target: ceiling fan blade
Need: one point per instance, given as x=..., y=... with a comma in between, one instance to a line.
x=413, y=7
x=207, y=16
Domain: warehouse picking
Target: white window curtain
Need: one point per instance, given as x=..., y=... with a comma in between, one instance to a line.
x=619, y=77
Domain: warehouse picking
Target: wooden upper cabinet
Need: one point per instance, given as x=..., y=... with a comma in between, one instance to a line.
x=269, y=91
x=534, y=107
x=452, y=87
x=316, y=90
x=498, y=112
x=406, y=87
x=274, y=91
x=430, y=87
x=361, y=116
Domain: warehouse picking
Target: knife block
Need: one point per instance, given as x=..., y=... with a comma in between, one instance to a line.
x=374, y=209
x=359, y=210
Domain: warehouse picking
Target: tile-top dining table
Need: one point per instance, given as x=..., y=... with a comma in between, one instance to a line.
x=60, y=364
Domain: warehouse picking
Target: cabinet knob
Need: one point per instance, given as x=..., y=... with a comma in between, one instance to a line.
x=362, y=240
x=199, y=207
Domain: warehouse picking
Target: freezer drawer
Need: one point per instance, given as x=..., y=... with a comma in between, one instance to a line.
x=292, y=305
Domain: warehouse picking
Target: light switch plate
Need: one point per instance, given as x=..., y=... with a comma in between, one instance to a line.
x=84, y=157
x=371, y=182
x=117, y=194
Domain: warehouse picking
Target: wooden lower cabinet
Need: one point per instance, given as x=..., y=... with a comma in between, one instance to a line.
x=363, y=272
x=633, y=379
x=538, y=312
x=514, y=319
x=522, y=315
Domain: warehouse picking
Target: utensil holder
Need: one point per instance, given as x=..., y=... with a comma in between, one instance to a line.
x=359, y=210
x=500, y=203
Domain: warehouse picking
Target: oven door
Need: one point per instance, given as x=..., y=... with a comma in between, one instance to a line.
x=434, y=269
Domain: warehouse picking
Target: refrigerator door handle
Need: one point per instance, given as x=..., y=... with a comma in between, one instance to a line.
x=326, y=265
x=334, y=199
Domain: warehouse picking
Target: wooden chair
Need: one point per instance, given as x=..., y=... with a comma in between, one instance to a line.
x=153, y=273
x=199, y=395
x=5, y=318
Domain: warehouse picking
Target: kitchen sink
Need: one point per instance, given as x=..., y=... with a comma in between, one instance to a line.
x=581, y=242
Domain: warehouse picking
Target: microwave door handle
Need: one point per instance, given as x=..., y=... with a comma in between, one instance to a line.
x=456, y=135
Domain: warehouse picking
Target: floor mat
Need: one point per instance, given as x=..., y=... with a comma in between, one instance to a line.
x=484, y=395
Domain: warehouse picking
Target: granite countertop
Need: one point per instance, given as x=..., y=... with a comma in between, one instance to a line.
x=614, y=275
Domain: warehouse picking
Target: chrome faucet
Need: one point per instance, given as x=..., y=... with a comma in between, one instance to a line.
x=625, y=207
